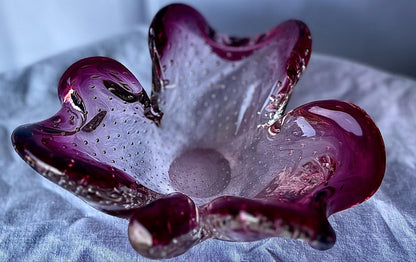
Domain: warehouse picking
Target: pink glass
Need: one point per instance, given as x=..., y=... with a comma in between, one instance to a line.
x=211, y=154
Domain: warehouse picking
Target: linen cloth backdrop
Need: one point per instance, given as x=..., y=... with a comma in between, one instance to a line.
x=41, y=222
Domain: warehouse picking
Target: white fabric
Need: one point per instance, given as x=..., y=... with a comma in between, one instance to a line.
x=41, y=222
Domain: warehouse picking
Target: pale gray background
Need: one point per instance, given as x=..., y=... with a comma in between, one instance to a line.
x=381, y=33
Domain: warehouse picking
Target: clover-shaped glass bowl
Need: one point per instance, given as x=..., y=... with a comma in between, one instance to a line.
x=211, y=153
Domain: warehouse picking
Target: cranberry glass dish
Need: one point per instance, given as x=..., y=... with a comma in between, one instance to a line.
x=211, y=153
